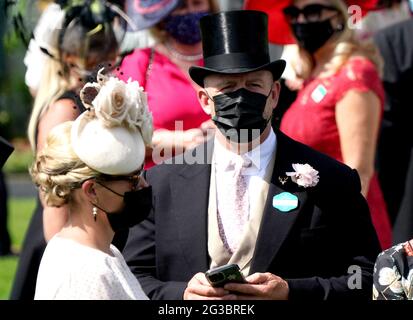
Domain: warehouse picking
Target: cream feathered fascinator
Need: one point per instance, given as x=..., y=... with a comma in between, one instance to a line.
x=111, y=136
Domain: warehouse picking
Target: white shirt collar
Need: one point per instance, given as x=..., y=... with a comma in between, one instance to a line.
x=260, y=156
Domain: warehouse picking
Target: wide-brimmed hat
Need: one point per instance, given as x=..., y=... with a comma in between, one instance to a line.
x=279, y=31
x=111, y=136
x=147, y=13
x=235, y=42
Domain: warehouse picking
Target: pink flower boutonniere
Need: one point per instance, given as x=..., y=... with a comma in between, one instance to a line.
x=304, y=175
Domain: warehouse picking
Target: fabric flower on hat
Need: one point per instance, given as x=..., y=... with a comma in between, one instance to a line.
x=111, y=136
x=111, y=103
x=304, y=175
x=139, y=117
x=117, y=103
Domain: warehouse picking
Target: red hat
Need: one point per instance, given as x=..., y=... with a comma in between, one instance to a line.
x=279, y=31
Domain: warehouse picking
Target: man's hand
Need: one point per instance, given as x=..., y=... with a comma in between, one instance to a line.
x=261, y=286
x=200, y=289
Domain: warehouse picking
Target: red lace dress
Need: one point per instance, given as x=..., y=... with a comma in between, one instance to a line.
x=311, y=120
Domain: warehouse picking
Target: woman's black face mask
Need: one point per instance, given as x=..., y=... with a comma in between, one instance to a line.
x=136, y=208
x=312, y=36
x=314, y=33
x=239, y=115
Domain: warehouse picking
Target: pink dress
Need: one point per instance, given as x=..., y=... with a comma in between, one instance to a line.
x=311, y=120
x=171, y=95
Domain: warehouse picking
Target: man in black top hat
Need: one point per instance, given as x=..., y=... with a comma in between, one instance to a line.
x=291, y=218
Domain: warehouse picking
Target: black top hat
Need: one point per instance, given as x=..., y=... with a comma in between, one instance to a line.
x=235, y=42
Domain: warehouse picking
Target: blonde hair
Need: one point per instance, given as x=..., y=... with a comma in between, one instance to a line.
x=160, y=35
x=52, y=85
x=56, y=78
x=344, y=47
x=57, y=170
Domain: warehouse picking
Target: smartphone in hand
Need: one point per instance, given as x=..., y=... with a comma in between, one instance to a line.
x=219, y=276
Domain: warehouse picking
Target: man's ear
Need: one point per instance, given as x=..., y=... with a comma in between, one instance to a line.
x=89, y=190
x=205, y=101
x=275, y=92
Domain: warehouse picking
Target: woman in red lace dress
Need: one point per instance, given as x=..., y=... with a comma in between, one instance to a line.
x=339, y=106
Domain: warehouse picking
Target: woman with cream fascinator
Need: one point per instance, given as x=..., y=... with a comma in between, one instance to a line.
x=81, y=37
x=92, y=165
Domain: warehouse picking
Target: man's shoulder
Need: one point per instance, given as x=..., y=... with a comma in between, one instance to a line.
x=289, y=151
x=405, y=26
x=395, y=38
x=298, y=150
x=165, y=169
x=331, y=171
x=190, y=161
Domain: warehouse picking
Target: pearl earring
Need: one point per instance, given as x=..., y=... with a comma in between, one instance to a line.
x=95, y=213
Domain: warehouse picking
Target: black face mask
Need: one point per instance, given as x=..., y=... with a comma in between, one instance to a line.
x=240, y=110
x=137, y=206
x=312, y=36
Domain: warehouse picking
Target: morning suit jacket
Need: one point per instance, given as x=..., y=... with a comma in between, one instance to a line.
x=316, y=247
x=396, y=136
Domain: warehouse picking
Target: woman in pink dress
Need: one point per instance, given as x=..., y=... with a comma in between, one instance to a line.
x=178, y=119
x=339, y=107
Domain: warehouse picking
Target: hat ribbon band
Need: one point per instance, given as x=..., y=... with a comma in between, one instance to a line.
x=236, y=61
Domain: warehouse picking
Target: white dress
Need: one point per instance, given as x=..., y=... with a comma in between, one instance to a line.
x=72, y=271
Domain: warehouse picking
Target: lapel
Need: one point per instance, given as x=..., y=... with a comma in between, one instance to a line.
x=190, y=193
x=217, y=252
x=276, y=225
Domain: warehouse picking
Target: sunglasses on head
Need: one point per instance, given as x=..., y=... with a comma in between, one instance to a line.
x=311, y=13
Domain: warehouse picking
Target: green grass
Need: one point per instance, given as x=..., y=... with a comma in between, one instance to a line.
x=19, y=161
x=20, y=212
x=7, y=270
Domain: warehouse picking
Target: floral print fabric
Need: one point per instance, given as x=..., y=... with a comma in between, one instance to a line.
x=393, y=273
